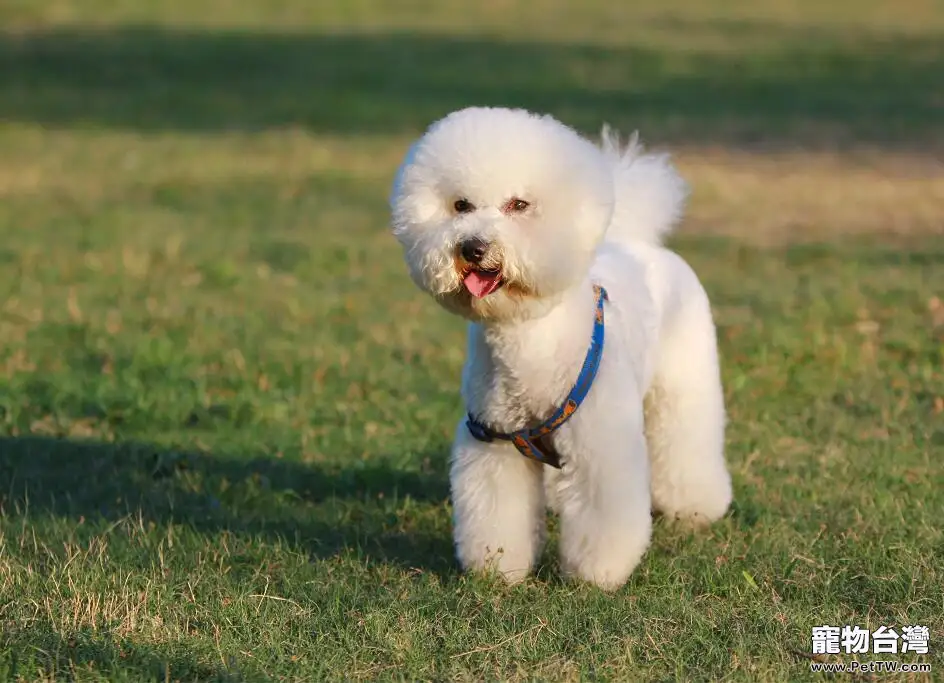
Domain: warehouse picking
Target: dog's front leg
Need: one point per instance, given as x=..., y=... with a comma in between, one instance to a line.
x=498, y=507
x=604, y=502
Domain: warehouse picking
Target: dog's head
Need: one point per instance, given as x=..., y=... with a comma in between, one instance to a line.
x=500, y=211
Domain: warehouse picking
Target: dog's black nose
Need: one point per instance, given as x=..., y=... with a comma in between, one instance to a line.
x=473, y=249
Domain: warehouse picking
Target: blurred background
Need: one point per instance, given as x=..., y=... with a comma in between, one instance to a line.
x=765, y=103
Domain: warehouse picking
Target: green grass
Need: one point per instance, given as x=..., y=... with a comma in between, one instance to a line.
x=225, y=410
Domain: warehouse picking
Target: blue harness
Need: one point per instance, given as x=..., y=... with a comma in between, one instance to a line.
x=531, y=441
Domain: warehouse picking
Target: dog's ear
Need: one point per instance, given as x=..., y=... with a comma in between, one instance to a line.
x=397, y=187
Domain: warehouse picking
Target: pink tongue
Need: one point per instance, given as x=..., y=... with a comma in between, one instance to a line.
x=481, y=284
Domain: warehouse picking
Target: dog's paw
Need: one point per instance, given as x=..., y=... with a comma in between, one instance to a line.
x=701, y=512
x=607, y=573
x=509, y=567
x=604, y=562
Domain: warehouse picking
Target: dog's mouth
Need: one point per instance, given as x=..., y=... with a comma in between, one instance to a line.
x=481, y=282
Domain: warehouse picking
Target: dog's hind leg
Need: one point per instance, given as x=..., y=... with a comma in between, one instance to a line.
x=685, y=422
x=498, y=507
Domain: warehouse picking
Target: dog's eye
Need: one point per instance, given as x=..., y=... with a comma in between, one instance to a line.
x=463, y=206
x=515, y=205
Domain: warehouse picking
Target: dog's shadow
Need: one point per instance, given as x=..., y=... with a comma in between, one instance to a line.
x=305, y=504
x=41, y=642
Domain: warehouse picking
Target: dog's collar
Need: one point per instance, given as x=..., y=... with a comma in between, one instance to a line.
x=530, y=440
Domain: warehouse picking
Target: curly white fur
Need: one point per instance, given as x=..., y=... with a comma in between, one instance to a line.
x=651, y=432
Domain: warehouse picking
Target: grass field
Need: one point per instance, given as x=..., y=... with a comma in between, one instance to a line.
x=225, y=410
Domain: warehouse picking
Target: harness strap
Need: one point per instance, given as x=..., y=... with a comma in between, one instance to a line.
x=532, y=442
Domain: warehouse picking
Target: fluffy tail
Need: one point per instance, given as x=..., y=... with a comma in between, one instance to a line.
x=650, y=194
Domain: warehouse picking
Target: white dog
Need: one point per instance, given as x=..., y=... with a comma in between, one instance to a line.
x=545, y=241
